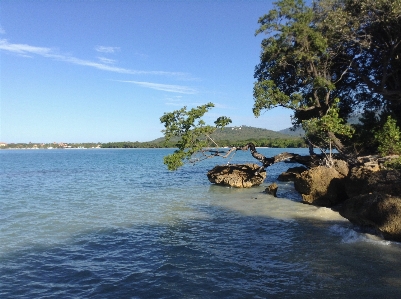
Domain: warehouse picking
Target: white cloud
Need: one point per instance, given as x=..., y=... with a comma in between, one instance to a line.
x=23, y=49
x=165, y=87
x=104, y=49
x=27, y=50
x=106, y=60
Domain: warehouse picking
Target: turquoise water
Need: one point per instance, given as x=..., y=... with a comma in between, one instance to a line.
x=116, y=224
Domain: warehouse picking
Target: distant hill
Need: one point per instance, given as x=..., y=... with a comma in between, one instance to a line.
x=235, y=134
x=299, y=132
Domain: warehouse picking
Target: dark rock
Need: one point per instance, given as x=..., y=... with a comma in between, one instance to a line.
x=309, y=161
x=291, y=173
x=272, y=189
x=381, y=211
x=237, y=175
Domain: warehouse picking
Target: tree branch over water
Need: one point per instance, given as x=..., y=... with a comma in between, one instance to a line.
x=195, y=143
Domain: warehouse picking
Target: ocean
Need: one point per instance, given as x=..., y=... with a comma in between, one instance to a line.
x=115, y=223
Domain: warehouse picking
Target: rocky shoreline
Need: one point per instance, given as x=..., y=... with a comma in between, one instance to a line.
x=367, y=194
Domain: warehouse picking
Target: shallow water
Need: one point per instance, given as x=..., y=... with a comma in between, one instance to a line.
x=115, y=223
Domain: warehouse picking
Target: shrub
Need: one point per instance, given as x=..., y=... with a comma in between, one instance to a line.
x=389, y=138
x=393, y=163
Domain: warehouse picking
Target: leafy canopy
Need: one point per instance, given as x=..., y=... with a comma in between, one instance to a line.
x=294, y=70
x=193, y=132
x=313, y=54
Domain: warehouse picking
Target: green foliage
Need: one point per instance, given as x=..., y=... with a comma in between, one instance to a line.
x=389, y=138
x=393, y=163
x=318, y=129
x=295, y=67
x=331, y=49
x=54, y=145
x=192, y=131
x=136, y=144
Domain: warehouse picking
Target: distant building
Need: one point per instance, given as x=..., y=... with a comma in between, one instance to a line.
x=3, y=144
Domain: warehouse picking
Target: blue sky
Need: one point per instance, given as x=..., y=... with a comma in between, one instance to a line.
x=100, y=71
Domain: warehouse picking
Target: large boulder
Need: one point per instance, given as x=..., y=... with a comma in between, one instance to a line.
x=369, y=178
x=377, y=210
x=323, y=186
x=237, y=175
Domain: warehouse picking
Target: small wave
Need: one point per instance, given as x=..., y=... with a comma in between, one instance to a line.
x=327, y=214
x=350, y=235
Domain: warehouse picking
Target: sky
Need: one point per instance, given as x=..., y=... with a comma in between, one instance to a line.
x=106, y=71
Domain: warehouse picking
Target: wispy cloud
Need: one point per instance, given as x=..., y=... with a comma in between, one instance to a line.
x=2, y=31
x=164, y=87
x=23, y=49
x=27, y=50
x=107, y=60
x=104, y=49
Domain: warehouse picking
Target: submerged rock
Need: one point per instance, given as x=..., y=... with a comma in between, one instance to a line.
x=237, y=175
x=377, y=210
x=272, y=189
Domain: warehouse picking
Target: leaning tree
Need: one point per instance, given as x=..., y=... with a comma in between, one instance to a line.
x=299, y=69
x=195, y=141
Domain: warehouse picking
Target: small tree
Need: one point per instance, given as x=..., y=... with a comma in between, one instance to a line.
x=389, y=138
x=195, y=143
x=322, y=131
x=192, y=132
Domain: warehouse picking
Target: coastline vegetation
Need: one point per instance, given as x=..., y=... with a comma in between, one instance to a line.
x=54, y=145
x=228, y=137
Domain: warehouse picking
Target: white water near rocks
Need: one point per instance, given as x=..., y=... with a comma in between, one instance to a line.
x=115, y=223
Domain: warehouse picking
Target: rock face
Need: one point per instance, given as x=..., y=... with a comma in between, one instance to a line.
x=374, y=199
x=369, y=194
x=377, y=210
x=237, y=175
x=367, y=180
x=321, y=186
